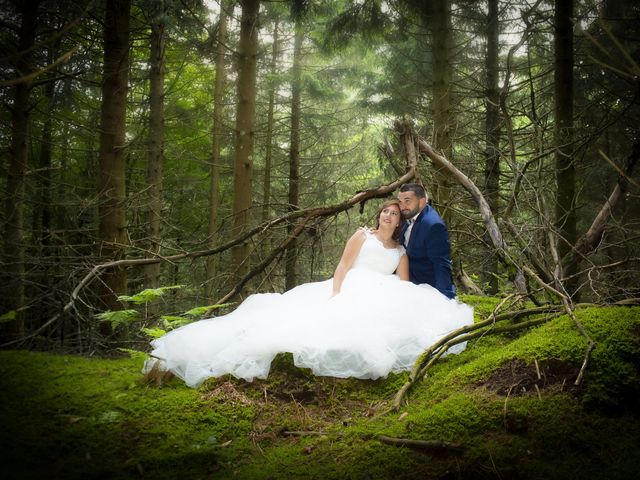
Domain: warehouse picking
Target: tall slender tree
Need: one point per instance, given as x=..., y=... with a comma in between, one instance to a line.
x=564, y=160
x=244, y=130
x=294, y=149
x=216, y=142
x=439, y=12
x=14, y=248
x=156, y=137
x=268, y=155
x=111, y=177
x=42, y=208
x=492, y=132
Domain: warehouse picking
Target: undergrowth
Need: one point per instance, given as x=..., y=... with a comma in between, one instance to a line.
x=507, y=407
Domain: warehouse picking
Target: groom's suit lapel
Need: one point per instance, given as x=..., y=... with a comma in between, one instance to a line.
x=415, y=228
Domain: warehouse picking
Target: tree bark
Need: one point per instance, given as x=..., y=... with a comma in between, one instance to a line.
x=42, y=208
x=441, y=31
x=565, y=216
x=268, y=155
x=111, y=181
x=294, y=155
x=156, y=141
x=492, y=136
x=216, y=142
x=245, y=119
x=14, y=247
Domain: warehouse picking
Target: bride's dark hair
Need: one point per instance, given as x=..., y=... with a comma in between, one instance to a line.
x=388, y=203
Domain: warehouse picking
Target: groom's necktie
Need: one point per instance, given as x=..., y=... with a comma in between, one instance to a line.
x=407, y=232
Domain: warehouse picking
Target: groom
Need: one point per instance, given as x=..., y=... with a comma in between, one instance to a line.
x=426, y=240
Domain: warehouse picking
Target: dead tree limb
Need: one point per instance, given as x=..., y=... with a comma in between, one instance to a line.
x=591, y=239
x=569, y=309
x=464, y=334
x=501, y=248
x=303, y=217
x=485, y=211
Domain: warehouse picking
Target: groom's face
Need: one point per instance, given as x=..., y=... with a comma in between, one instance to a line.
x=410, y=203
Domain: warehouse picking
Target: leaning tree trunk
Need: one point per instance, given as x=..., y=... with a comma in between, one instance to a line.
x=294, y=155
x=156, y=142
x=216, y=142
x=245, y=118
x=492, y=136
x=111, y=178
x=564, y=161
x=14, y=249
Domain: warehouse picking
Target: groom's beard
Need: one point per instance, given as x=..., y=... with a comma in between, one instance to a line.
x=410, y=214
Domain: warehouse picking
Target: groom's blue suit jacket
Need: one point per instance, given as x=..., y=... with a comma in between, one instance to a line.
x=429, y=252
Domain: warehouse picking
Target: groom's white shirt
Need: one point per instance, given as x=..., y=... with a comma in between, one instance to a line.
x=407, y=232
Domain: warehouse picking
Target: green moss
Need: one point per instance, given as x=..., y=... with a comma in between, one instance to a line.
x=71, y=417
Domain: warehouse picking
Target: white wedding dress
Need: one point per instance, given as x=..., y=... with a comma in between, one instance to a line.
x=375, y=325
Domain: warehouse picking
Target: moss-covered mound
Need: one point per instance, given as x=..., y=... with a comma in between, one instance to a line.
x=507, y=407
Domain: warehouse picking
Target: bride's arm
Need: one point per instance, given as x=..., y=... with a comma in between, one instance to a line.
x=351, y=250
x=403, y=268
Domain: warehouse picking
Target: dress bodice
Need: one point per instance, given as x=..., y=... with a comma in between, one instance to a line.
x=374, y=256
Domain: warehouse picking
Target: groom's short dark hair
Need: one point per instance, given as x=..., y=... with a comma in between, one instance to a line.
x=415, y=188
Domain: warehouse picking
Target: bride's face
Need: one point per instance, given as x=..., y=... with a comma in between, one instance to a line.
x=391, y=216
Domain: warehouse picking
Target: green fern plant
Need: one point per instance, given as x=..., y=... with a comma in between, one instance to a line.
x=148, y=295
x=171, y=322
x=200, y=311
x=155, y=332
x=142, y=299
x=119, y=317
x=8, y=317
x=128, y=316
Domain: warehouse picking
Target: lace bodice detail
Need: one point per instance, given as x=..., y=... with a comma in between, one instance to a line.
x=374, y=256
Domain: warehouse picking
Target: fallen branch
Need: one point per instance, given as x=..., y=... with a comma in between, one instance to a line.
x=302, y=433
x=433, y=445
x=487, y=216
x=570, y=311
x=591, y=239
x=305, y=215
x=465, y=334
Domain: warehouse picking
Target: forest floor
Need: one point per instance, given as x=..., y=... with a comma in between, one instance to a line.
x=505, y=408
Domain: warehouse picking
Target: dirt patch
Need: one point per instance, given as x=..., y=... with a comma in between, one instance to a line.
x=228, y=393
x=517, y=378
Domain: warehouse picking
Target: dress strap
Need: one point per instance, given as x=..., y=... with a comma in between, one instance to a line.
x=367, y=231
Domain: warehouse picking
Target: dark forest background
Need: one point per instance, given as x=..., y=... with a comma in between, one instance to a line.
x=190, y=141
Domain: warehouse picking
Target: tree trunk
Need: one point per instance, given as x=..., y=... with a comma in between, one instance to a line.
x=111, y=177
x=294, y=155
x=266, y=188
x=492, y=132
x=42, y=207
x=245, y=119
x=564, y=161
x=14, y=248
x=441, y=32
x=156, y=142
x=216, y=142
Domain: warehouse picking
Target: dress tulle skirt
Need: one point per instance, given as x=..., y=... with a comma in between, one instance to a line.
x=376, y=325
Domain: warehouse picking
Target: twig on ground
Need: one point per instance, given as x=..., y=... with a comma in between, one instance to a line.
x=431, y=445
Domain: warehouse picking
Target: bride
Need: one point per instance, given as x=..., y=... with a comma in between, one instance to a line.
x=367, y=321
